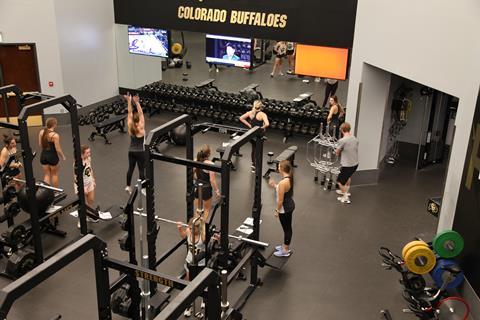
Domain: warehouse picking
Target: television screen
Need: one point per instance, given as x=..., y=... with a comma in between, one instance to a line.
x=322, y=62
x=230, y=51
x=147, y=41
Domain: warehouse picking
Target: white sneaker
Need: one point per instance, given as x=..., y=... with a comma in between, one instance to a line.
x=202, y=305
x=128, y=189
x=188, y=312
x=338, y=191
x=281, y=74
x=344, y=199
x=78, y=224
x=144, y=192
x=217, y=70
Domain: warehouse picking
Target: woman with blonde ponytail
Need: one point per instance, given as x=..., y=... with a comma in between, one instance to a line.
x=255, y=118
x=136, y=130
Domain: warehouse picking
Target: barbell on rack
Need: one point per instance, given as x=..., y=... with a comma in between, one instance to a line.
x=240, y=238
x=40, y=185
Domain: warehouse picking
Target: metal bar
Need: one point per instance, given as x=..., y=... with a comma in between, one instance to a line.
x=102, y=284
x=257, y=206
x=255, y=242
x=206, y=278
x=152, y=228
x=168, y=253
x=189, y=173
x=40, y=106
x=240, y=265
x=118, y=283
x=224, y=216
x=185, y=162
x=8, y=125
x=145, y=273
x=40, y=184
x=16, y=289
x=237, y=144
x=154, y=134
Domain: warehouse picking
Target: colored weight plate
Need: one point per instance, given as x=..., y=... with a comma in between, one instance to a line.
x=420, y=259
x=448, y=244
x=412, y=244
x=453, y=308
x=439, y=274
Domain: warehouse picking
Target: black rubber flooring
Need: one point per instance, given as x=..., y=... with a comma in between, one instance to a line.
x=335, y=270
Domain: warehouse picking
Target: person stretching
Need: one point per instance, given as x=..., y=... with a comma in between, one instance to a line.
x=136, y=130
x=284, y=206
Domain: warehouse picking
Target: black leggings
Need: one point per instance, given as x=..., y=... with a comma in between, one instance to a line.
x=286, y=221
x=135, y=157
x=330, y=90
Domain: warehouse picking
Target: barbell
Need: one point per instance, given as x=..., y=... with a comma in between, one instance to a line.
x=240, y=238
x=40, y=185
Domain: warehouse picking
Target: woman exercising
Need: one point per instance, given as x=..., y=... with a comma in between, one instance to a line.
x=196, y=243
x=207, y=178
x=285, y=206
x=253, y=118
x=10, y=150
x=333, y=119
x=49, y=141
x=136, y=130
x=88, y=179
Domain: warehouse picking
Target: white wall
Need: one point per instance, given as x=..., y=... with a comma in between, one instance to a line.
x=433, y=42
x=86, y=39
x=376, y=88
x=34, y=21
x=134, y=70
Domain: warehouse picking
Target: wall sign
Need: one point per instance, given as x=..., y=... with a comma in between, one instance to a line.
x=320, y=22
x=467, y=213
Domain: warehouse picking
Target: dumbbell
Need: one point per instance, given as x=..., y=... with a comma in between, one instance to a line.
x=313, y=130
x=230, y=116
x=289, y=127
x=304, y=129
x=274, y=124
x=296, y=128
x=281, y=125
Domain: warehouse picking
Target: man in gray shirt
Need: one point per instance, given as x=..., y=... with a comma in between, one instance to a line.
x=347, y=149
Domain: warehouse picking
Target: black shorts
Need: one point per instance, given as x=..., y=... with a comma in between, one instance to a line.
x=280, y=56
x=290, y=52
x=345, y=174
x=48, y=157
x=207, y=193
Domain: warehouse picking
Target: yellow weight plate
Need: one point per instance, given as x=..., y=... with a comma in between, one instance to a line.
x=412, y=244
x=420, y=259
x=176, y=48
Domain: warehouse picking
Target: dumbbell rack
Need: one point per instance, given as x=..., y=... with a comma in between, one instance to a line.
x=322, y=157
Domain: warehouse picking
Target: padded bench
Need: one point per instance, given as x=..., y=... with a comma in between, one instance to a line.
x=107, y=126
x=287, y=154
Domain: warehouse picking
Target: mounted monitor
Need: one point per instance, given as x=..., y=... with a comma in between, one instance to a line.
x=231, y=51
x=322, y=62
x=148, y=41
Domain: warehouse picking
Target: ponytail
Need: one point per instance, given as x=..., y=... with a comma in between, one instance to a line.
x=203, y=154
x=287, y=167
x=50, y=123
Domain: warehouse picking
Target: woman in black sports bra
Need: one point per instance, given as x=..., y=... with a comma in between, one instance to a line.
x=207, y=178
x=284, y=206
x=333, y=119
x=253, y=118
x=49, y=141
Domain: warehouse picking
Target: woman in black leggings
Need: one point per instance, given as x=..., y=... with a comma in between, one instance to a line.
x=136, y=130
x=284, y=206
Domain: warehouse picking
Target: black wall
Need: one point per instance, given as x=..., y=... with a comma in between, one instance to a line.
x=317, y=22
x=467, y=214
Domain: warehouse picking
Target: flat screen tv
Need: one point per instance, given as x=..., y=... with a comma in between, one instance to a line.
x=231, y=51
x=148, y=41
x=322, y=62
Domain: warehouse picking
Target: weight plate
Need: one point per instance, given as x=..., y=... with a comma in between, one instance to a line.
x=448, y=244
x=453, y=308
x=440, y=275
x=412, y=244
x=420, y=259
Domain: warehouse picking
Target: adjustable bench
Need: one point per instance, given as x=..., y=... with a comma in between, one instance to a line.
x=287, y=154
x=107, y=126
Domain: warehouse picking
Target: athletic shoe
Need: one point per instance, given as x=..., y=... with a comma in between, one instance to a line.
x=78, y=224
x=278, y=248
x=344, y=199
x=282, y=254
x=271, y=75
x=281, y=73
x=338, y=191
x=217, y=70
x=188, y=312
x=202, y=305
x=318, y=79
x=289, y=71
x=128, y=189
x=95, y=220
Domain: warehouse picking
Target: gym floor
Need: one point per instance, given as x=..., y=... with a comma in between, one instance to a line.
x=334, y=272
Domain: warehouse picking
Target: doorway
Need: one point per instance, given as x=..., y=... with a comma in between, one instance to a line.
x=18, y=65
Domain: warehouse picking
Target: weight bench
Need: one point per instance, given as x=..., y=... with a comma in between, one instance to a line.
x=287, y=154
x=107, y=126
x=206, y=84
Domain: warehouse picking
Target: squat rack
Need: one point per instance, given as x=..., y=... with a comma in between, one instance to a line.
x=224, y=168
x=70, y=104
